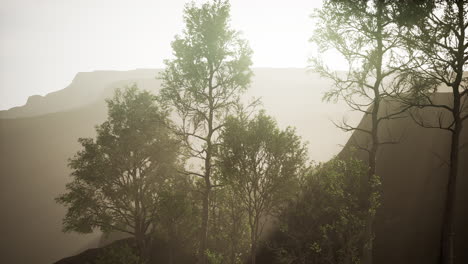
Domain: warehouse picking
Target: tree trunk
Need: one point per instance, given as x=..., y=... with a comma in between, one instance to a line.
x=448, y=232
x=141, y=245
x=254, y=240
x=367, y=248
x=172, y=243
x=206, y=194
x=367, y=256
x=253, y=251
x=204, y=228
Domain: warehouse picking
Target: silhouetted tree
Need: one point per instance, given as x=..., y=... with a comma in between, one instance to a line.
x=118, y=177
x=203, y=82
x=261, y=164
x=438, y=44
x=366, y=34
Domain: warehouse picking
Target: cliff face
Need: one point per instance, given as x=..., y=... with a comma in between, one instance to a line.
x=414, y=176
x=37, y=139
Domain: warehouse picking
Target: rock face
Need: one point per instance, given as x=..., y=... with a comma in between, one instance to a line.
x=414, y=176
x=37, y=139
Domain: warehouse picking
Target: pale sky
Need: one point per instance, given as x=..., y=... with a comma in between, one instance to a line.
x=44, y=43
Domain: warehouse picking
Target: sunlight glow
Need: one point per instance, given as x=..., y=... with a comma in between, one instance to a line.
x=50, y=41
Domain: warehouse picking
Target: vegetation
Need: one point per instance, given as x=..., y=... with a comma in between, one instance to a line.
x=178, y=218
x=230, y=236
x=207, y=183
x=118, y=178
x=261, y=164
x=202, y=83
x=327, y=222
x=366, y=34
x=438, y=46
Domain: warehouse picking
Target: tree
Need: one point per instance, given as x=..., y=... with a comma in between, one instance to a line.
x=438, y=44
x=176, y=224
x=203, y=82
x=228, y=222
x=117, y=178
x=261, y=164
x=367, y=35
x=326, y=222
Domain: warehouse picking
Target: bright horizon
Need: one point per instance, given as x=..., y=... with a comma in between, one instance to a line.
x=45, y=43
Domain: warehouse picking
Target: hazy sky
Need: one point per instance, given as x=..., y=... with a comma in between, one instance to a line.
x=44, y=43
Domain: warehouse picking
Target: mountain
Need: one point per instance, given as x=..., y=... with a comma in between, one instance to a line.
x=85, y=88
x=37, y=139
x=414, y=177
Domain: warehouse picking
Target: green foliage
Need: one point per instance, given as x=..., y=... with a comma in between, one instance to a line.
x=229, y=235
x=327, y=222
x=203, y=84
x=213, y=257
x=433, y=41
x=117, y=178
x=261, y=164
x=367, y=35
x=178, y=220
x=211, y=68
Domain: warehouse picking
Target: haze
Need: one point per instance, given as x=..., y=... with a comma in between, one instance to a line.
x=44, y=43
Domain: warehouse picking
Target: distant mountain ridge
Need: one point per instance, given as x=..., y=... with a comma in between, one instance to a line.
x=84, y=89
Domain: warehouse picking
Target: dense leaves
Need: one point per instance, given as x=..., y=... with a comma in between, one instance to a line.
x=261, y=164
x=327, y=221
x=118, y=177
x=202, y=83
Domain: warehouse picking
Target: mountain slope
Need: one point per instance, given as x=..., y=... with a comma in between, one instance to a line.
x=85, y=88
x=414, y=177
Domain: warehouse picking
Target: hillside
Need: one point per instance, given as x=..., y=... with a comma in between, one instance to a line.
x=413, y=172
x=37, y=139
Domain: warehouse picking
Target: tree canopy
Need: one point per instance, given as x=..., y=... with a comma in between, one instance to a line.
x=262, y=164
x=210, y=69
x=118, y=177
